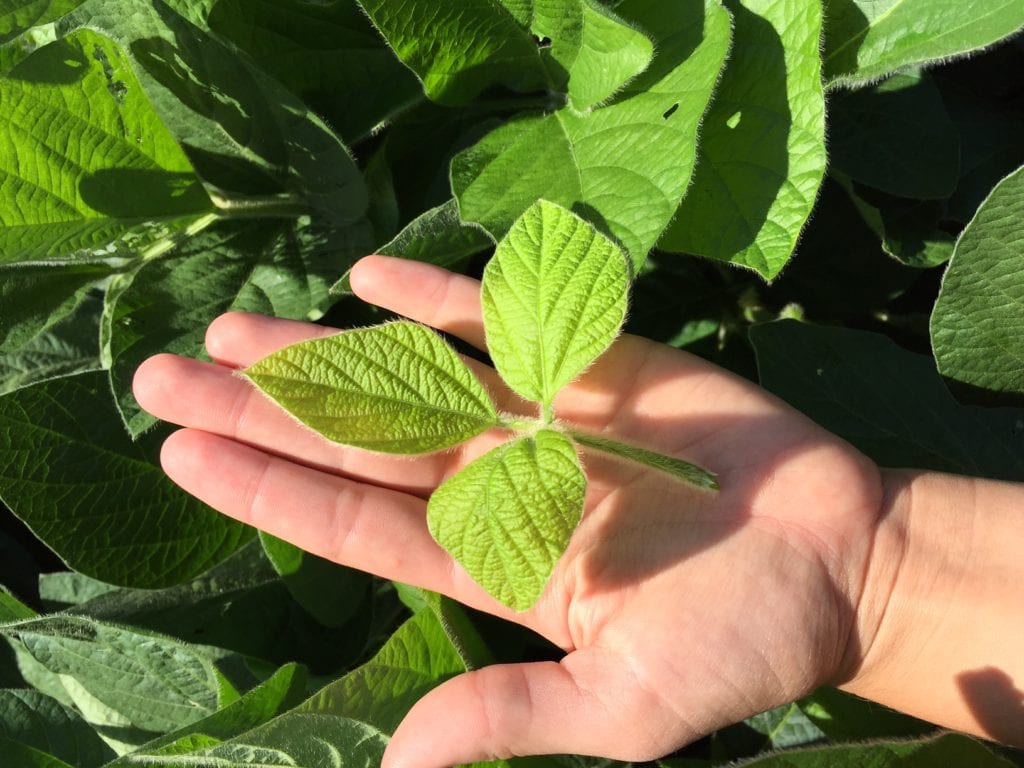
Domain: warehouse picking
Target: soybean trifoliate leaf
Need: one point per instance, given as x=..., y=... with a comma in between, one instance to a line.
x=508, y=516
x=978, y=320
x=554, y=298
x=394, y=388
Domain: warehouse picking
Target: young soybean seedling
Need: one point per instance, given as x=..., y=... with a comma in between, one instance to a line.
x=554, y=299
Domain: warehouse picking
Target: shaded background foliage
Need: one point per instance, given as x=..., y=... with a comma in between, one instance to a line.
x=827, y=200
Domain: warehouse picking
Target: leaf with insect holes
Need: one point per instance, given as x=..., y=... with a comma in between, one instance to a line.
x=554, y=298
x=508, y=516
x=394, y=388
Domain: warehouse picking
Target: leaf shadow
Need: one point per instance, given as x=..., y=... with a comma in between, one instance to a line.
x=129, y=193
x=844, y=15
x=59, y=63
x=743, y=158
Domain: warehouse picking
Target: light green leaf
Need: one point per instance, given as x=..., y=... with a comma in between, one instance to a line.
x=785, y=727
x=977, y=326
x=394, y=388
x=889, y=403
x=508, y=516
x=277, y=267
x=897, y=137
x=35, y=720
x=330, y=592
x=70, y=472
x=417, y=657
x=554, y=298
x=84, y=159
x=19, y=16
x=133, y=681
x=623, y=166
x=762, y=145
x=49, y=326
x=594, y=48
x=939, y=752
x=868, y=39
x=436, y=236
x=458, y=49
x=12, y=609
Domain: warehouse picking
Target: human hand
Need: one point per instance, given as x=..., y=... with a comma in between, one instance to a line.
x=681, y=611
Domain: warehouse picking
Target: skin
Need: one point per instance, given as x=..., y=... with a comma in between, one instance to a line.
x=680, y=610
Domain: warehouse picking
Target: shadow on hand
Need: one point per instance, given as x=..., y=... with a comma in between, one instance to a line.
x=996, y=702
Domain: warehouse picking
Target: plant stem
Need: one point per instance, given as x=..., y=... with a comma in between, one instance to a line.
x=683, y=470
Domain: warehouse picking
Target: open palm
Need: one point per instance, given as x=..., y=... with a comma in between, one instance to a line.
x=681, y=610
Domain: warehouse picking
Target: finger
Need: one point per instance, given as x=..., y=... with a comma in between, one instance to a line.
x=586, y=704
x=422, y=292
x=212, y=398
x=239, y=339
x=373, y=529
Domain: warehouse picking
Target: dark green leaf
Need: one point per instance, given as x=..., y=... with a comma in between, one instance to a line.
x=327, y=53
x=951, y=749
x=437, y=236
x=241, y=605
x=276, y=267
x=845, y=717
x=888, y=402
x=295, y=739
x=458, y=49
x=21, y=756
x=131, y=685
x=70, y=472
x=34, y=720
x=762, y=145
x=50, y=324
x=418, y=657
x=977, y=325
x=330, y=592
x=896, y=137
x=282, y=691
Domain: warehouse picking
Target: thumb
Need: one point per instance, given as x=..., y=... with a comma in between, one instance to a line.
x=589, y=703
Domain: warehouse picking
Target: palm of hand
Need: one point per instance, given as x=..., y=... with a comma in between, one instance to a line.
x=682, y=611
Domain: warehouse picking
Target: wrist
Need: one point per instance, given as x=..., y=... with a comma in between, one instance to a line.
x=938, y=625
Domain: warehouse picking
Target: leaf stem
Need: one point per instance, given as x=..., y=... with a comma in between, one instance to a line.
x=683, y=470
x=264, y=207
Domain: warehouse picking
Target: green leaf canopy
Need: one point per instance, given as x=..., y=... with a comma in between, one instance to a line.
x=625, y=165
